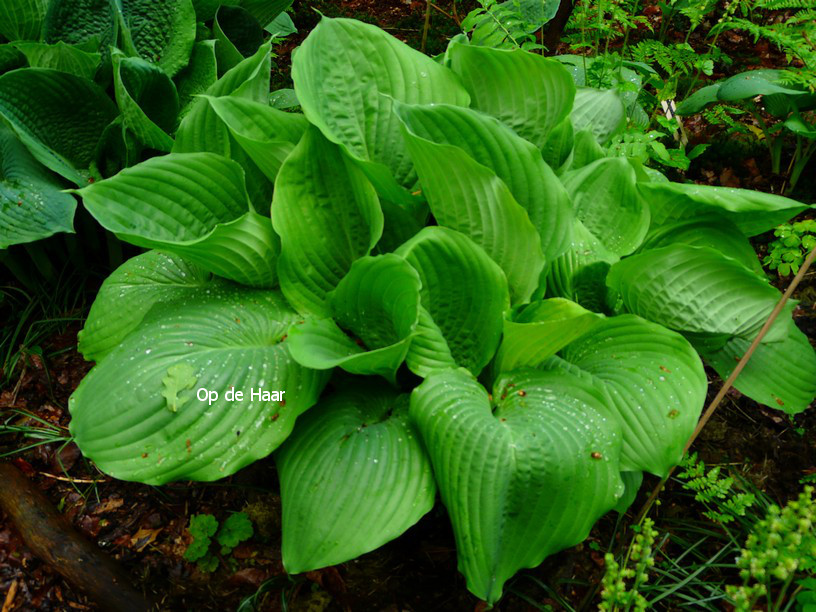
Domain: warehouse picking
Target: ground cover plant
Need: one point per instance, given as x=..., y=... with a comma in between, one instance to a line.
x=444, y=276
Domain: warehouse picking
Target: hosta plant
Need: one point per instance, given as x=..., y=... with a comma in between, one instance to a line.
x=428, y=303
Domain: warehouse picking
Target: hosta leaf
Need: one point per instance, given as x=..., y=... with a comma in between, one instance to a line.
x=205, y=9
x=162, y=31
x=266, y=134
x=140, y=282
x=238, y=35
x=464, y=293
x=599, y=111
x=780, y=374
x=699, y=100
x=347, y=74
x=631, y=482
x=22, y=19
x=655, y=382
x=281, y=26
x=199, y=75
x=539, y=331
x=10, y=58
x=466, y=196
x=353, y=477
x=192, y=204
x=429, y=350
x=61, y=56
x=606, y=201
x=522, y=477
x=754, y=83
x=696, y=290
x=147, y=99
x=32, y=204
x=327, y=215
x=77, y=21
x=558, y=146
x=528, y=92
x=753, y=212
x=586, y=150
x=378, y=303
x=158, y=430
x=265, y=10
x=514, y=160
x=58, y=116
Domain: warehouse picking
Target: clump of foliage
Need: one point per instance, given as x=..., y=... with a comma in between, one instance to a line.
x=458, y=283
x=792, y=243
x=203, y=527
x=617, y=594
x=723, y=502
x=781, y=547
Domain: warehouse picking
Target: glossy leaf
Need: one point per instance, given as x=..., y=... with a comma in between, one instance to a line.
x=600, y=112
x=353, y=476
x=162, y=31
x=61, y=56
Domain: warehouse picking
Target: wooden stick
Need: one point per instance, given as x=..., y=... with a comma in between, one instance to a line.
x=51, y=537
x=729, y=382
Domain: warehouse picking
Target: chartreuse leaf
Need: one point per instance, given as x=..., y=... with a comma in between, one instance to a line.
x=353, y=476
x=32, y=203
x=606, y=201
x=58, y=116
x=655, y=383
x=698, y=291
x=229, y=337
x=528, y=92
x=558, y=146
x=347, y=75
x=147, y=99
x=514, y=160
x=464, y=293
x=466, y=196
x=61, y=56
x=268, y=135
x=522, y=476
x=327, y=215
x=378, y=303
x=779, y=374
x=22, y=19
x=539, y=330
x=753, y=212
x=586, y=150
x=600, y=112
x=162, y=31
x=141, y=282
x=192, y=204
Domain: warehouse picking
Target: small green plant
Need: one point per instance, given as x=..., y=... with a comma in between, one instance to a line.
x=510, y=24
x=790, y=247
x=235, y=529
x=781, y=547
x=621, y=585
x=716, y=492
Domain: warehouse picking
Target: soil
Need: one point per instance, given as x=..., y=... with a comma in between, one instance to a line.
x=144, y=528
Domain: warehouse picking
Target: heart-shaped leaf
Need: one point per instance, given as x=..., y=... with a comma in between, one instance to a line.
x=353, y=476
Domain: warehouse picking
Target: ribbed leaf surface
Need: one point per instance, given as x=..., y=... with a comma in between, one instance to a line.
x=137, y=415
x=327, y=214
x=22, y=19
x=600, y=112
x=353, y=476
x=522, y=477
x=162, y=31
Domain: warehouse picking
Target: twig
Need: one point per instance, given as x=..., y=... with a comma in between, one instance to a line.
x=444, y=12
x=67, y=479
x=730, y=380
x=427, y=25
x=12, y=592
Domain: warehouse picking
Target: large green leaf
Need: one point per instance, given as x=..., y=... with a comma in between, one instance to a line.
x=464, y=293
x=238, y=35
x=528, y=92
x=522, y=476
x=58, y=116
x=347, y=75
x=780, y=374
x=353, y=476
x=755, y=83
x=327, y=215
x=606, y=201
x=469, y=197
x=78, y=21
x=162, y=31
x=32, y=204
x=199, y=75
x=157, y=430
x=141, y=282
x=267, y=134
x=377, y=302
x=265, y=10
x=753, y=212
x=147, y=99
x=699, y=100
x=61, y=56
x=599, y=111
x=22, y=19
x=655, y=382
x=514, y=160
x=192, y=204
x=696, y=290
